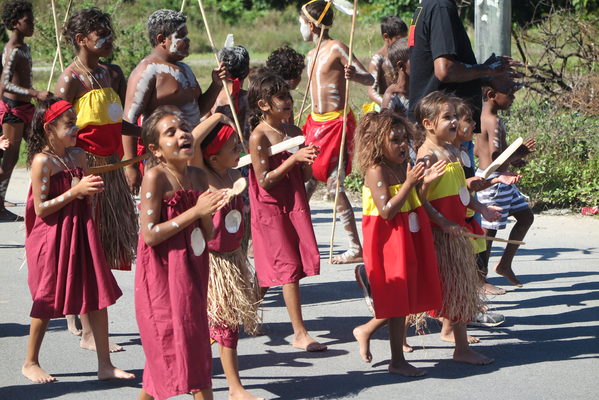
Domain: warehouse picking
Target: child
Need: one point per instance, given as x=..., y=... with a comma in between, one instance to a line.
x=397, y=94
x=325, y=124
x=398, y=243
x=171, y=278
x=233, y=295
x=490, y=144
x=449, y=196
x=16, y=109
x=68, y=273
x=284, y=243
x=381, y=68
x=288, y=64
x=162, y=79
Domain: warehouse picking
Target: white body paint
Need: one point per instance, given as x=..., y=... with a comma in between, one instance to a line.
x=8, y=69
x=175, y=40
x=100, y=43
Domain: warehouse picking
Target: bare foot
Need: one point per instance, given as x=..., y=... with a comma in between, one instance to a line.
x=364, y=342
x=470, y=356
x=451, y=339
x=351, y=256
x=405, y=369
x=112, y=372
x=306, y=342
x=74, y=325
x=89, y=344
x=242, y=394
x=36, y=374
x=508, y=274
x=407, y=348
x=490, y=289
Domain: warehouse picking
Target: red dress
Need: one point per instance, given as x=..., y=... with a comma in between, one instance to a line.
x=171, y=281
x=67, y=271
x=399, y=257
x=285, y=247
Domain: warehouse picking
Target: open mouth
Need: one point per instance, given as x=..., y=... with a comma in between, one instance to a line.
x=185, y=145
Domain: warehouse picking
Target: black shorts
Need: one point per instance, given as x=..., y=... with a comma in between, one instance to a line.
x=9, y=118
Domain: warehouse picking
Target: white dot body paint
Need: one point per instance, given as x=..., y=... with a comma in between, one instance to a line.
x=61, y=90
x=379, y=184
x=69, y=194
x=261, y=180
x=383, y=197
x=45, y=179
x=46, y=204
x=45, y=169
x=465, y=129
x=174, y=224
x=262, y=161
x=66, y=78
x=52, y=201
x=60, y=199
x=389, y=204
x=259, y=148
x=174, y=121
x=148, y=195
x=43, y=197
x=150, y=212
x=169, y=144
x=175, y=153
x=150, y=226
x=44, y=187
x=157, y=229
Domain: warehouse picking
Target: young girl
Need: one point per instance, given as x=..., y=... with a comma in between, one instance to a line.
x=233, y=295
x=449, y=197
x=284, y=243
x=171, y=279
x=68, y=273
x=398, y=244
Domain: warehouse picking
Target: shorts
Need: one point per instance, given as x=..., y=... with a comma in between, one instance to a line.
x=10, y=118
x=508, y=197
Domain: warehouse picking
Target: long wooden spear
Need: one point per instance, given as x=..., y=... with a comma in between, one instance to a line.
x=182, y=6
x=340, y=167
x=58, y=38
x=224, y=81
x=66, y=17
x=315, y=59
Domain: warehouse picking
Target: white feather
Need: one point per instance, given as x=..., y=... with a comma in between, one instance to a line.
x=344, y=6
x=230, y=40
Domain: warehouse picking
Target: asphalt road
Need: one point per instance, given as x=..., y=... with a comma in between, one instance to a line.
x=547, y=349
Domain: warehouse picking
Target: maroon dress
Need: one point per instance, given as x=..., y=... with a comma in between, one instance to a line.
x=67, y=271
x=171, y=281
x=285, y=247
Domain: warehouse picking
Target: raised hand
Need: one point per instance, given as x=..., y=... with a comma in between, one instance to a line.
x=219, y=73
x=307, y=154
x=415, y=174
x=350, y=72
x=435, y=171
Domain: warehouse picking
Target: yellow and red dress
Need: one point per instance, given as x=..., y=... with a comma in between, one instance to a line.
x=399, y=257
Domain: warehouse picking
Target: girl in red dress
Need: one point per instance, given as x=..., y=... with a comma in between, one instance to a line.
x=398, y=244
x=171, y=278
x=68, y=273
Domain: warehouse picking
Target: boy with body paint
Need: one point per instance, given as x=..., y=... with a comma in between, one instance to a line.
x=162, y=79
x=323, y=127
x=16, y=110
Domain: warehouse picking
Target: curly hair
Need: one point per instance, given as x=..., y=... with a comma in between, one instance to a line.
x=237, y=61
x=164, y=22
x=37, y=138
x=263, y=87
x=85, y=22
x=316, y=8
x=286, y=62
x=13, y=11
x=373, y=134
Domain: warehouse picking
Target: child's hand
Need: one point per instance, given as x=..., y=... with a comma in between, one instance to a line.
x=492, y=213
x=527, y=148
x=508, y=178
x=219, y=73
x=43, y=95
x=453, y=229
x=210, y=202
x=89, y=185
x=307, y=154
x=415, y=174
x=350, y=72
x=435, y=171
x=4, y=142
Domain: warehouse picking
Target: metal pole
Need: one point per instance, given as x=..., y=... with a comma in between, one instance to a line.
x=492, y=28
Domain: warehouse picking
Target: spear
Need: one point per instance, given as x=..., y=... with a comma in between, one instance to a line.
x=58, y=53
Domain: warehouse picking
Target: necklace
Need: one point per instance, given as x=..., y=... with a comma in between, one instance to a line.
x=174, y=176
x=283, y=136
x=87, y=71
x=74, y=179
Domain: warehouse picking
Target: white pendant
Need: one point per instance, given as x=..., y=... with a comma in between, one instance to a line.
x=413, y=222
x=198, y=244
x=233, y=221
x=466, y=159
x=464, y=195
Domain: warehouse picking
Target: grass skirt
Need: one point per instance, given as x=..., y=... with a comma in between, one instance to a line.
x=233, y=293
x=115, y=215
x=460, y=281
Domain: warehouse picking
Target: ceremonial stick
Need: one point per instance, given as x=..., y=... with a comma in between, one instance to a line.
x=343, y=132
x=274, y=149
x=299, y=117
x=66, y=17
x=496, y=239
x=182, y=6
x=57, y=36
x=113, y=167
x=224, y=81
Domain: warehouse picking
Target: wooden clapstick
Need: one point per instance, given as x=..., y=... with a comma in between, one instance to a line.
x=496, y=239
x=113, y=167
x=274, y=149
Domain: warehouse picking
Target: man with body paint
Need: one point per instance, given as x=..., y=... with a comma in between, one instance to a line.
x=162, y=79
x=324, y=125
x=16, y=110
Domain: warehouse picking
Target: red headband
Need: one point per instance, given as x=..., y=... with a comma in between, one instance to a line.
x=219, y=141
x=55, y=110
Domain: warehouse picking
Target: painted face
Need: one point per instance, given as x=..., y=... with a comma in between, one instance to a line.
x=305, y=29
x=446, y=124
x=397, y=145
x=101, y=41
x=228, y=156
x=179, y=42
x=174, y=141
x=466, y=126
x=25, y=25
x=282, y=105
x=65, y=128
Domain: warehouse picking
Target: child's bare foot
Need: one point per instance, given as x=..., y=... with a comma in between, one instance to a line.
x=363, y=340
x=470, y=356
x=112, y=372
x=90, y=344
x=74, y=325
x=490, y=289
x=451, y=339
x=36, y=374
x=407, y=348
x=351, y=256
x=306, y=342
x=508, y=274
x=242, y=394
x=405, y=369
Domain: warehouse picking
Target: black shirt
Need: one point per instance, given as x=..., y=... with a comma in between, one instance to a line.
x=436, y=31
